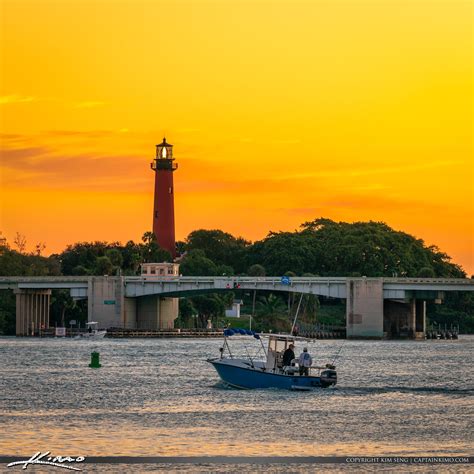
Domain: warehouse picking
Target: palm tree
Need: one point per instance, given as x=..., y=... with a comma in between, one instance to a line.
x=272, y=314
x=148, y=238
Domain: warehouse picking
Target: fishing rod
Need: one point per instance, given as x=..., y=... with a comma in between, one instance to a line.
x=338, y=352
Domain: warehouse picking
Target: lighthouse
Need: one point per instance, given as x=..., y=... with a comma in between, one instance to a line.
x=153, y=311
x=163, y=210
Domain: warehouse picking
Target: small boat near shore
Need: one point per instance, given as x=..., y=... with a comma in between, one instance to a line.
x=93, y=332
x=268, y=372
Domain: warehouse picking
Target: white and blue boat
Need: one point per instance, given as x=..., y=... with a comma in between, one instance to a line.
x=248, y=372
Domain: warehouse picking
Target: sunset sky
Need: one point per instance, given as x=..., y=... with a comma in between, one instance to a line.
x=280, y=111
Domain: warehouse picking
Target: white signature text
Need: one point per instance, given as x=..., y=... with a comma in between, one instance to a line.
x=45, y=458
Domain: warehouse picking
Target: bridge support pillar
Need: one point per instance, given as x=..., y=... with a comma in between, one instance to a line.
x=169, y=308
x=109, y=306
x=32, y=311
x=417, y=326
x=106, y=301
x=420, y=319
x=154, y=312
x=130, y=313
x=412, y=321
x=364, y=308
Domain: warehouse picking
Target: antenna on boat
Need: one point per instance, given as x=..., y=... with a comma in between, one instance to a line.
x=226, y=344
x=296, y=315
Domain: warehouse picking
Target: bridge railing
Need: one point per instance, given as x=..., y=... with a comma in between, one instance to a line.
x=235, y=279
x=27, y=279
x=277, y=279
x=442, y=281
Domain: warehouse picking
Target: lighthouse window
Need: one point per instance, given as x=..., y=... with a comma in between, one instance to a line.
x=170, y=190
x=163, y=152
x=156, y=214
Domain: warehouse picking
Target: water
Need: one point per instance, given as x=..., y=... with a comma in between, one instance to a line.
x=159, y=397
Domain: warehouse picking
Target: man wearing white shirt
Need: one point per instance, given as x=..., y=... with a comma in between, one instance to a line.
x=304, y=362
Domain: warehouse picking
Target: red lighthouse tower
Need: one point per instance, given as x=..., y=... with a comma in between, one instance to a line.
x=163, y=212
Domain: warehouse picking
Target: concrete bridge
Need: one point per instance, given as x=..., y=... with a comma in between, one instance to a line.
x=376, y=307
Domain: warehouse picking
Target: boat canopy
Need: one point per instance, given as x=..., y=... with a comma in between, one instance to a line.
x=240, y=332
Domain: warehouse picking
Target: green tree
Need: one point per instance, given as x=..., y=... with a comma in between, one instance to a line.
x=148, y=237
x=186, y=312
x=13, y=263
x=103, y=266
x=222, y=248
x=151, y=252
x=80, y=270
x=208, y=307
x=195, y=263
x=329, y=248
x=282, y=252
x=180, y=247
x=426, y=272
x=132, y=258
x=224, y=270
x=256, y=270
x=115, y=257
x=84, y=254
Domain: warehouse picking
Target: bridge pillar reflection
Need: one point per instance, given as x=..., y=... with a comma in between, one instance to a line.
x=32, y=311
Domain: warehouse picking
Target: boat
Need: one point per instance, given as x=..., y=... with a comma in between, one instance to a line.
x=92, y=332
x=249, y=372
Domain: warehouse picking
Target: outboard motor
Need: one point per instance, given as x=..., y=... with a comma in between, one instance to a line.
x=329, y=376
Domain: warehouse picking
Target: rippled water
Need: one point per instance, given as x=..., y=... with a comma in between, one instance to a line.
x=159, y=397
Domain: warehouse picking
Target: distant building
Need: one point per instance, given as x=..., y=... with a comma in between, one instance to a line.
x=234, y=311
x=159, y=269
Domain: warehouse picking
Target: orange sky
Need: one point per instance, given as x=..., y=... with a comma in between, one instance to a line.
x=280, y=111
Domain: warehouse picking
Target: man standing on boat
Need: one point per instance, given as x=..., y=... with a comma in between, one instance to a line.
x=305, y=362
x=288, y=356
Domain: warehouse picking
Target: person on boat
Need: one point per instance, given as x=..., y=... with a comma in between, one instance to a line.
x=305, y=362
x=288, y=355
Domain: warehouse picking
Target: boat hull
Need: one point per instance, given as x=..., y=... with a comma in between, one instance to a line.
x=247, y=377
